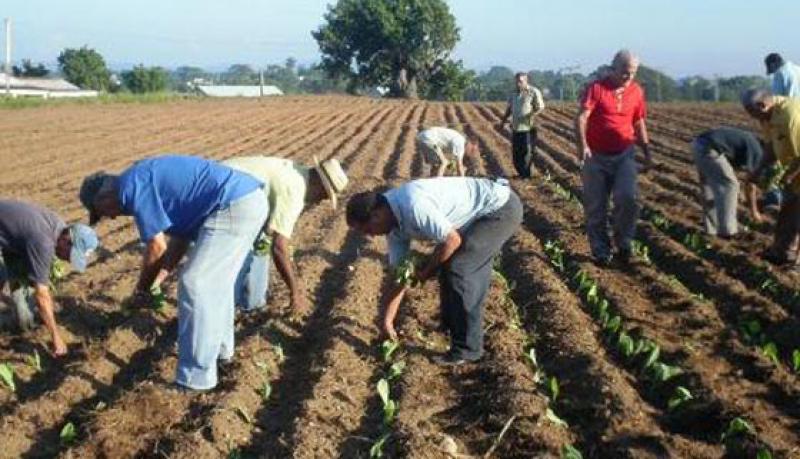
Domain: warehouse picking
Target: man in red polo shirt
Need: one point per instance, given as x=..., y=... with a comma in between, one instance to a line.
x=611, y=120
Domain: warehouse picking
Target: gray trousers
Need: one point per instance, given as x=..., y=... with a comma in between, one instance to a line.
x=611, y=176
x=22, y=312
x=464, y=281
x=720, y=189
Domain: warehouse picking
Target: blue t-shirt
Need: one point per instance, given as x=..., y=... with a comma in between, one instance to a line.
x=428, y=209
x=175, y=194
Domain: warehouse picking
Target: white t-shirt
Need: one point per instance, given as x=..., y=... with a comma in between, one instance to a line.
x=448, y=140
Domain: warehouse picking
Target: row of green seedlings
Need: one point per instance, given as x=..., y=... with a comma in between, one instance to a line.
x=404, y=274
x=750, y=329
x=698, y=243
x=640, y=352
x=549, y=384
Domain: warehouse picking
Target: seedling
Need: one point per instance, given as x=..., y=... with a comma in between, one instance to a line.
x=265, y=391
x=58, y=270
x=653, y=355
x=387, y=349
x=570, y=452
x=396, y=370
x=68, y=434
x=552, y=385
x=696, y=243
x=763, y=453
x=663, y=372
x=405, y=273
x=551, y=416
x=158, y=298
x=377, y=448
x=279, y=352
x=7, y=375
x=555, y=252
x=751, y=329
x=530, y=356
x=34, y=361
x=681, y=396
x=737, y=426
x=263, y=245
x=389, y=406
x=796, y=360
x=613, y=325
x=661, y=222
x=641, y=251
x=626, y=345
x=770, y=350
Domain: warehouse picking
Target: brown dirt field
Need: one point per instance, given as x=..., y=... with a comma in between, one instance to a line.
x=115, y=385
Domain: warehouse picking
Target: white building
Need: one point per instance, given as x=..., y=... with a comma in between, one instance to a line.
x=238, y=91
x=41, y=87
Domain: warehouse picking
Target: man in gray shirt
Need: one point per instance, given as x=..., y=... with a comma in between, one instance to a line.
x=30, y=237
x=469, y=219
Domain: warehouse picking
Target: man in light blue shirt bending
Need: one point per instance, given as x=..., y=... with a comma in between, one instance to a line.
x=785, y=76
x=469, y=219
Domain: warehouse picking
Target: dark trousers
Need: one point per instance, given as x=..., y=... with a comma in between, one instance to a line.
x=787, y=228
x=464, y=281
x=523, y=145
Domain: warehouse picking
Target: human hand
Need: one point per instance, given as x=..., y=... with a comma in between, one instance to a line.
x=59, y=346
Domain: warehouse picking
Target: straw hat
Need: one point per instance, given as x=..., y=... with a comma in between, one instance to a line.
x=332, y=176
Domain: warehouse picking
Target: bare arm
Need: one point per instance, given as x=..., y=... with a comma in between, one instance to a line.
x=441, y=255
x=752, y=202
x=643, y=140
x=283, y=261
x=392, y=299
x=44, y=301
x=152, y=261
x=460, y=167
x=506, y=114
x=581, y=122
x=176, y=249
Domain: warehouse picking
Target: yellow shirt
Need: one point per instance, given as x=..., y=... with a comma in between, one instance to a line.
x=286, y=185
x=782, y=131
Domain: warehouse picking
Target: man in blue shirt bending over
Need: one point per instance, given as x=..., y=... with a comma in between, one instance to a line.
x=469, y=219
x=190, y=200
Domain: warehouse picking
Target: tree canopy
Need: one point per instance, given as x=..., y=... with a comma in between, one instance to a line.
x=398, y=44
x=85, y=68
x=29, y=69
x=143, y=79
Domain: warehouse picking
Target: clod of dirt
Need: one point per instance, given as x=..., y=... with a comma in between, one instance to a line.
x=448, y=445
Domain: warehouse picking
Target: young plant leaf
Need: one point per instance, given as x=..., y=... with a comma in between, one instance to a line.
x=265, y=391
x=552, y=385
x=552, y=417
x=7, y=375
x=613, y=325
x=796, y=360
x=680, y=396
x=625, y=344
x=387, y=349
x=159, y=298
x=763, y=453
x=652, y=357
x=570, y=452
x=737, y=426
x=396, y=370
x=279, y=352
x=34, y=361
x=770, y=350
x=383, y=391
x=377, y=448
x=68, y=434
x=663, y=372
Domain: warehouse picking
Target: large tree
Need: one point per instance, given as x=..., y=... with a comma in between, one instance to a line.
x=392, y=43
x=29, y=69
x=85, y=68
x=142, y=79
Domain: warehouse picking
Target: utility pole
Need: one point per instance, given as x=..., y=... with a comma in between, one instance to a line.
x=8, y=57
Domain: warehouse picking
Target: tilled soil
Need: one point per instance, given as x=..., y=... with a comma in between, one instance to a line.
x=306, y=386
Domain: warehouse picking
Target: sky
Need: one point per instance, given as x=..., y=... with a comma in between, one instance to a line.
x=679, y=37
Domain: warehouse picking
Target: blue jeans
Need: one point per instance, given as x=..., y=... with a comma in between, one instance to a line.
x=206, y=288
x=252, y=285
x=23, y=304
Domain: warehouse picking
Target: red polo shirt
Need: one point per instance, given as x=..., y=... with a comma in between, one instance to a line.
x=613, y=114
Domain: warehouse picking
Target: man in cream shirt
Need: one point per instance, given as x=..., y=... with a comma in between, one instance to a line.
x=290, y=188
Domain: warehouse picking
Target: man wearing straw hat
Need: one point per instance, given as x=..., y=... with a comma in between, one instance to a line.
x=290, y=187
x=440, y=145
x=185, y=205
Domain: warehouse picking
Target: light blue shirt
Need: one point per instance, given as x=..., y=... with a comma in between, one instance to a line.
x=786, y=81
x=429, y=209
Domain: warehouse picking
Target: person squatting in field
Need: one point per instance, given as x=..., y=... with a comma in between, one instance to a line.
x=611, y=120
x=31, y=237
x=469, y=219
x=780, y=120
x=441, y=146
x=523, y=106
x=289, y=188
x=717, y=154
x=212, y=214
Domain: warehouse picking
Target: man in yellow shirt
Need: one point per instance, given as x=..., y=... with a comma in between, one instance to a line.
x=290, y=187
x=780, y=119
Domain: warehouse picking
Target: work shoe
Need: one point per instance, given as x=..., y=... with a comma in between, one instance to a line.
x=450, y=359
